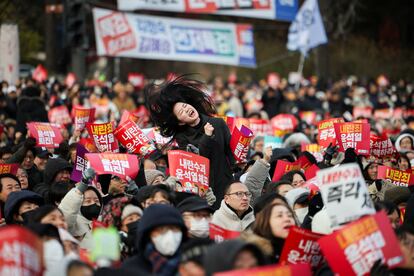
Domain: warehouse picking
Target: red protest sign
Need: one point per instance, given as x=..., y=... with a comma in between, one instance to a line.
x=364, y=112
x=283, y=124
x=353, y=135
x=219, y=234
x=81, y=164
x=353, y=249
x=39, y=74
x=385, y=113
x=381, y=147
x=302, y=246
x=70, y=79
x=155, y=135
x=21, y=252
x=311, y=171
x=283, y=167
x=326, y=132
x=46, y=134
x=119, y=164
x=126, y=115
x=271, y=270
x=59, y=115
x=103, y=136
x=303, y=162
x=82, y=116
x=88, y=144
x=308, y=116
x=9, y=168
x=133, y=139
x=191, y=169
x=312, y=148
x=136, y=79
x=239, y=143
x=260, y=127
x=398, y=178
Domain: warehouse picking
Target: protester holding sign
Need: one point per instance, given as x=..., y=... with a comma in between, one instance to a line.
x=182, y=110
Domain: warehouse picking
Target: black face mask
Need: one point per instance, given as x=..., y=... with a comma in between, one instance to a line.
x=27, y=216
x=91, y=212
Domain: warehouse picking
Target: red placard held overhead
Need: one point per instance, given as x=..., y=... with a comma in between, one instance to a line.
x=103, y=136
x=191, y=169
x=9, y=168
x=302, y=246
x=283, y=167
x=21, y=252
x=353, y=135
x=122, y=165
x=283, y=124
x=239, y=142
x=46, y=134
x=381, y=147
x=326, y=132
x=353, y=249
x=82, y=116
x=59, y=115
x=133, y=139
x=398, y=178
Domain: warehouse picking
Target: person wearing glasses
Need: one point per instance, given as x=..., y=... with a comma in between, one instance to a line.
x=235, y=212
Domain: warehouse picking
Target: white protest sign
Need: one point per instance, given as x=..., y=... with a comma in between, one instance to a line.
x=9, y=53
x=344, y=193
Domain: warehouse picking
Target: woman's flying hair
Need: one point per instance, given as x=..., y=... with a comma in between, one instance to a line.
x=160, y=101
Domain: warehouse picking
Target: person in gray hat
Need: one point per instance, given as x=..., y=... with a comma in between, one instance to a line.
x=197, y=216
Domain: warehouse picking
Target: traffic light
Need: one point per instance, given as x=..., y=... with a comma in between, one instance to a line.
x=75, y=23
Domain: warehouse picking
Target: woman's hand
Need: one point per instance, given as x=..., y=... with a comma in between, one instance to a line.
x=208, y=129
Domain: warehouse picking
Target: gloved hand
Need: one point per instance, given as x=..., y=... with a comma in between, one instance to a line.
x=87, y=177
x=132, y=188
x=210, y=197
x=329, y=153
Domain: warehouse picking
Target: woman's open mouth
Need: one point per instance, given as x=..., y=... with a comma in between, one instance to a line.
x=191, y=113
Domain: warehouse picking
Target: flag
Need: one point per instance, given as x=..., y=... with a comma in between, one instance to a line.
x=307, y=30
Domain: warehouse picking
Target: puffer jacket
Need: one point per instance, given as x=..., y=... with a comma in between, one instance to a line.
x=228, y=219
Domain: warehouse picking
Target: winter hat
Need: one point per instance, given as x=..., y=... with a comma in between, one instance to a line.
x=402, y=136
x=321, y=223
x=296, y=140
x=15, y=199
x=150, y=175
x=297, y=195
x=53, y=167
x=193, y=204
x=397, y=194
x=129, y=210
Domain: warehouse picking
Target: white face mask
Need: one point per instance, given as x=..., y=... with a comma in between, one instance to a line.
x=200, y=228
x=168, y=243
x=52, y=253
x=301, y=213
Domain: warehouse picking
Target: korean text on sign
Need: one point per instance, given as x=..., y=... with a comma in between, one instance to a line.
x=398, y=178
x=240, y=141
x=133, y=138
x=191, y=169
x=344, y=193
x=122, y=165
x=353, y=135
x=46, y=134
x=326, y=132
x=103, y=136
x=355, y=248
x=83, y=116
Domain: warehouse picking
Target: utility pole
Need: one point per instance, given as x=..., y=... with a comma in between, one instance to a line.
x=52, y=11
x=76, y=37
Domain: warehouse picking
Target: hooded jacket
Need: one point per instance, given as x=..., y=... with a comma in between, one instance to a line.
x=78, y=226
x=15, y=199
x=256, y=178
x=398, y=141
x=221, y=257
x=53, y=167
x=216, y=148
x=228, y=219
x=154, y=216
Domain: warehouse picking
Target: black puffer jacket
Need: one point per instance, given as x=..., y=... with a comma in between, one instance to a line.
x=216, y=148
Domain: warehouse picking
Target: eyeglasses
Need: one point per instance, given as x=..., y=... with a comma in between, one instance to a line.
x=241, y=194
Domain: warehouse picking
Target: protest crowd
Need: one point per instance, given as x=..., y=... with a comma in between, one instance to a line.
x=182, y=177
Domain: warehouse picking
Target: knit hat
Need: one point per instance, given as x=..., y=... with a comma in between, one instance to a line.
x=150, y=175
x=297, y=195
x=295, y=140
x=129, y=210
x=321, y=223
x=397, y=194
x=398, y=141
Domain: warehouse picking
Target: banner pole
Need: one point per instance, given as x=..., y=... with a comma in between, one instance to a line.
x=300, y=69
